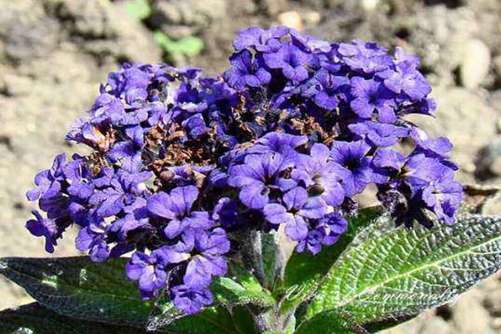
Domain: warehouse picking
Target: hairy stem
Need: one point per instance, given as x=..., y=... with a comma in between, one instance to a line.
x=271, y=321
x=266, y=255
x=285, y=248
x=252, y=254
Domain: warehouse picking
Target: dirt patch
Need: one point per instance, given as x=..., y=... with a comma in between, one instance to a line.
x=54, y=53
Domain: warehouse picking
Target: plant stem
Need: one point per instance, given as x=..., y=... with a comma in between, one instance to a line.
x=271, y=321
x=253, y=250
x=252, y=255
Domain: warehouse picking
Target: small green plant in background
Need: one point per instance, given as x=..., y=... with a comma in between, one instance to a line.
x=189, y=46
x=139, y=9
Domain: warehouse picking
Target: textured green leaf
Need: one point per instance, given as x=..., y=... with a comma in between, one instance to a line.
x=304, y=271
x=241, y=288
x=330, y=322
x=243, y=320
x=78, y=288
x=229, y=292
x=210, y=321
x=163, y=314
x=401, y=272
x=36, y=319
x=215, y=319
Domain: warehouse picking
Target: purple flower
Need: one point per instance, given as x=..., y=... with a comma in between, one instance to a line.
x=406, y=79
x=379, y=134
x=107, y=109
x=149, y=271
x=190, y=300
x=321, y=175
x=369, y=97
x=49, y=181
x=209, y=261
x=128, y=153
x=295, y=212
x=426, y=106
x=226, y=212
x=352, y=156
x=44, y=227
x=84, y=132
x=246, y=71
x=420, y=170
x=309, y=43
x=135, y=219
x=92, y=238
x=365, y=57
x=196, y=125
x=332, y=226
x=121, y=192
x=177, y=208
x=327, y=231
x=329, y=89
x=189, y=99
x=283, y=143
x=203, y=252
x=260, y=39
x=132, y=81
x=79, y=179
x=186, y=174
x=258, y=176
x=438, y=148
x=312, y=242
x=401, y=56
x=247, y=38
x=291, y=60
x=423, y=182
x=444, y=196
x=388, y=159
x=289, y=134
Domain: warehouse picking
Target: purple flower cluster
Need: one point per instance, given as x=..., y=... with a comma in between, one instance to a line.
x=288, y=135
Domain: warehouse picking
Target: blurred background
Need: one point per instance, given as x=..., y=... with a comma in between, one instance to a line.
x=54, y=54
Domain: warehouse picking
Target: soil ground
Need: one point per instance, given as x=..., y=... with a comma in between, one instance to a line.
x=54, y=54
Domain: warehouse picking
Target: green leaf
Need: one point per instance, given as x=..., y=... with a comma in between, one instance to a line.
x=243, y=320
x=330, y=322
x=399, y=273
x=78, y=288
x=139, y=9
x=215, y=319
x=305, y=271
x=210, y=321
x=189, y=46
x=36, y=319
x=241, y=288
x=163, y=314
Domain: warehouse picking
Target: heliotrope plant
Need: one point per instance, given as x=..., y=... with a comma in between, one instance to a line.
x=231, y=202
